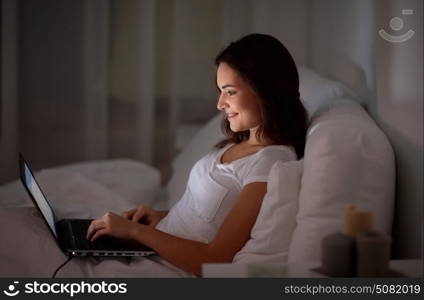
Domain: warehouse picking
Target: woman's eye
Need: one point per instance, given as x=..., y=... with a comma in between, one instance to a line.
x=231, y=93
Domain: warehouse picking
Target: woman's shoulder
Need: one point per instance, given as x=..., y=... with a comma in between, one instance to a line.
x=278, y=151
x=268, y=155
x=257, y=167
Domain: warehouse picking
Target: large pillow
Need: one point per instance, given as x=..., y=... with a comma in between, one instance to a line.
x=198, y=147
x=317, y=91
x=276, y=221
x=348, y=161
x=89, y=189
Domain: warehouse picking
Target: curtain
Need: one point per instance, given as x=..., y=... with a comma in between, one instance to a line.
x=78, y=87
x=8, y=119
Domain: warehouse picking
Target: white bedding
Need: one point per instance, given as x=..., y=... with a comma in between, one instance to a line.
x=88, y=190
x=32, y=252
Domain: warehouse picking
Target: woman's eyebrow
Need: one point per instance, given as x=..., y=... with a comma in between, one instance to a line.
x=227, y=85
x=224, y=86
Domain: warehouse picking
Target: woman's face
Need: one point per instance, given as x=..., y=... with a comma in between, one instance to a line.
x=237, y=99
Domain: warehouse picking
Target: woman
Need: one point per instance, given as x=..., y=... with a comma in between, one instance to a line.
x=264, y=121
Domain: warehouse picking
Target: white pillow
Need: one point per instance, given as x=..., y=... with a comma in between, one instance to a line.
x=317, y=91
x=89, y=189
x=272, y=232
x=348, y=160
x=136, y=182
x=201, y=144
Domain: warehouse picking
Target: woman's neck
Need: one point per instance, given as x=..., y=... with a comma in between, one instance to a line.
x=255, y=141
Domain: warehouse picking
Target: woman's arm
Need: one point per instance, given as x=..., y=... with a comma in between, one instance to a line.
x=230, y=238
x=187, y=254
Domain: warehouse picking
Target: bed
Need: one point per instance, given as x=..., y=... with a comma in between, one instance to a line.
x=348, y=161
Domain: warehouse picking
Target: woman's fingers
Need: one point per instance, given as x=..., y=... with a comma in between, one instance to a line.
x=129, y=214
x=99, y=224
x=95, y=225
x=140, y=213
x=99, y=233
x=137, y=214
x=110, y=224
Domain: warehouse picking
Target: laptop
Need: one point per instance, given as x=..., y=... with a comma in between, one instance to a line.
x=70, y=234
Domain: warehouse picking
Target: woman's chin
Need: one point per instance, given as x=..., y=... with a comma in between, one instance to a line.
x=235, y=129
x=238, y=129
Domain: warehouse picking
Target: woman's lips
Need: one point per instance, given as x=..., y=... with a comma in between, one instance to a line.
x=231, y=115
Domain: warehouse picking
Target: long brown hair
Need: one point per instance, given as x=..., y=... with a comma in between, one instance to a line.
x=268, y=67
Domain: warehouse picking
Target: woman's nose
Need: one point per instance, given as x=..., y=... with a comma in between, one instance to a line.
x=221, y=103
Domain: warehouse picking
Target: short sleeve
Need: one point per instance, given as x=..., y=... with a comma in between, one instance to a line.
x=257, y=170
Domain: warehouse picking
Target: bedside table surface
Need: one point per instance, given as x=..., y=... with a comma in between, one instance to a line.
x=261, y=270
x=408, y=267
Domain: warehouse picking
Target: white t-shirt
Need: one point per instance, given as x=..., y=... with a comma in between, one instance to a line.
x=213, y=187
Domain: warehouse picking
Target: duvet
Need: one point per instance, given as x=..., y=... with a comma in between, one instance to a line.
x=29, y=250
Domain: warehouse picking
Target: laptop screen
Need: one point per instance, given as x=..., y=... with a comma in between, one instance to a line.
x=38, y=196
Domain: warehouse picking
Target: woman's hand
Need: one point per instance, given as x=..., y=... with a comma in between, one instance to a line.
x=113, y=225
x=145, y=215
